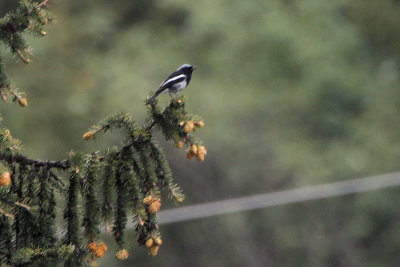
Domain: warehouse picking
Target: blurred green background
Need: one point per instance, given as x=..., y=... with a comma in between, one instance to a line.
x=292, y=92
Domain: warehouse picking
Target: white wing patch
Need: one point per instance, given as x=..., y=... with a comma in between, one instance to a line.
x=173, y=79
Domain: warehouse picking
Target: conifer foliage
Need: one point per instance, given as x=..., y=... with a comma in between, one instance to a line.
x=121, y=181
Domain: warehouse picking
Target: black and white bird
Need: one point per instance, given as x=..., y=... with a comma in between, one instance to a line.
x=175, y=82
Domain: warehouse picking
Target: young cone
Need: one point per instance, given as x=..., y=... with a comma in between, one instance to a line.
x=87, y=136
x=98, y=252
x=122, y=254
x=155, y=206
x=153, y=250
x=23, y=102
x=149, y=243
x=5, y=179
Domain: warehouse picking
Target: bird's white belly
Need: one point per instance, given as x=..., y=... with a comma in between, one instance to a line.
x=177, y=87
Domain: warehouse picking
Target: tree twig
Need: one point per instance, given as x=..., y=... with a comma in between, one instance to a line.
x=22, y=205
x=55, y=177
x=43, y=3
x=9, y=215
x=62, y=164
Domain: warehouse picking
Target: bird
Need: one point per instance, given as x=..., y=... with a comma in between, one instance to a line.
x=177, y=81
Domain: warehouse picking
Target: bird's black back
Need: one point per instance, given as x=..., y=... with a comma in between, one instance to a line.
x=186, y=72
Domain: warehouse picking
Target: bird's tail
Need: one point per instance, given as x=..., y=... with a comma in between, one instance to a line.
x=153, y=97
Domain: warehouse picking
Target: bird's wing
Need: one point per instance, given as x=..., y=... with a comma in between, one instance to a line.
x=166, y=84
x=170, y=81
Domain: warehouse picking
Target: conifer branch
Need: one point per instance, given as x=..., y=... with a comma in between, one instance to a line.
x=29, y=17
x=134, y=173
x=100, y=186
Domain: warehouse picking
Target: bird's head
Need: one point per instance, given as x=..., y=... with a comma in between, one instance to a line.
x=187, y=68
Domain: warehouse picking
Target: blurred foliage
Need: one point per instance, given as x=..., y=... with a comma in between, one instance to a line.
x=293, y=93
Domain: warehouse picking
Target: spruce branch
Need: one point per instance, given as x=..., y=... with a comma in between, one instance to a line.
x=89, y=193
x=127, y=179
x=108, y=179
x=29, y=17
x=15, y=157
x=100, y=186
x=71, y=211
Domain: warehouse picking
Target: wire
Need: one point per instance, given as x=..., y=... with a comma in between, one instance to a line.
x=278, y=198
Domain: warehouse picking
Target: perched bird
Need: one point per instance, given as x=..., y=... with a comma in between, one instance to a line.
x=175, y=82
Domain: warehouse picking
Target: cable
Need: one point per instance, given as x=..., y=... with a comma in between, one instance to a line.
x=278, y=198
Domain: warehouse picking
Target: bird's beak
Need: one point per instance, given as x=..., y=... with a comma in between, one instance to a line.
x=194, y=67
